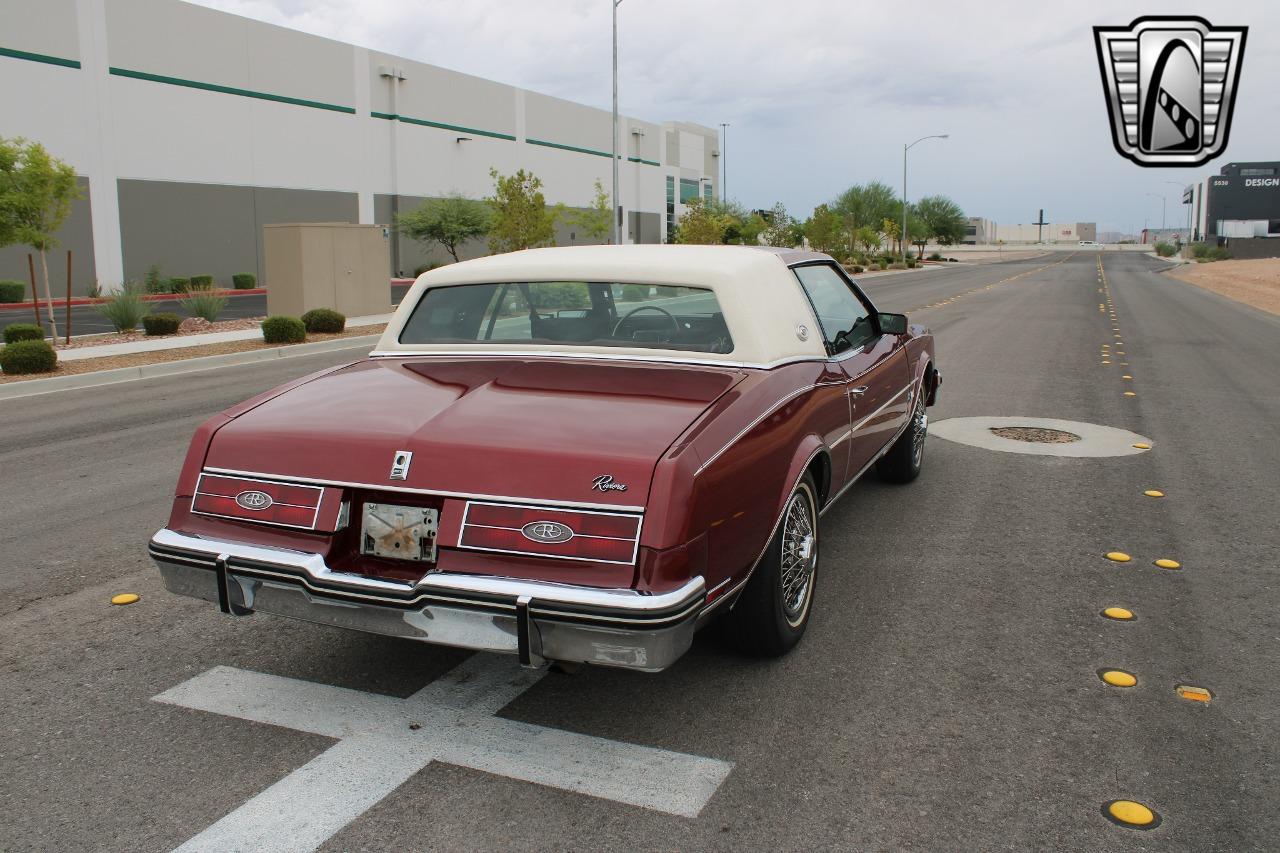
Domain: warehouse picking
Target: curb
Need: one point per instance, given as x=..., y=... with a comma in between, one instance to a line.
x=32, y=387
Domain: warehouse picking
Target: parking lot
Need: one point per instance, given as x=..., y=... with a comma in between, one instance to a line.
x=947, y=694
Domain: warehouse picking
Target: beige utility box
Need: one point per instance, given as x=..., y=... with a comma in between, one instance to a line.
x=327, y=265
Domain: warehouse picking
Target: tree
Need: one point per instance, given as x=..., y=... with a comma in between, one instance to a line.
x=892, y=233
x=826, y=231
x=449, y=221
x=942, y=217
x=867, y=204
x=521, y=219
x=780, y=228
x=918, y=234
x=866, y=238
x=595, y=221
x=701, y=225
x=36, y=191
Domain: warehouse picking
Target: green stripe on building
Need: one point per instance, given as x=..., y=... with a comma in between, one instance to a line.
x=564, y=147
x=230, y=90
x=642, y=160
x=442, y=126
x=39, y=57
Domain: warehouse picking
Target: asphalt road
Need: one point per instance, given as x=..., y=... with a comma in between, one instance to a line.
x=945, y=696
x=86, y=319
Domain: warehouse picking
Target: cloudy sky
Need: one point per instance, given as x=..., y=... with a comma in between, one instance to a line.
x=820, y=94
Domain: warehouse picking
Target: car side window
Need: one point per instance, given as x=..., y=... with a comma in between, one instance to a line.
x=846, y=323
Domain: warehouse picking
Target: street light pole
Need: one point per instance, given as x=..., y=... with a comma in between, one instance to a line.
x=905, y=149
x=724, y=163
x=1184, y=190
x=617, y=204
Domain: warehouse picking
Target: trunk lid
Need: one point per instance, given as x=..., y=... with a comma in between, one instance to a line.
x=535, y=429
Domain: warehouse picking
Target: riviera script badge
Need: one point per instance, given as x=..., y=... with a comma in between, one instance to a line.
x=605, y=483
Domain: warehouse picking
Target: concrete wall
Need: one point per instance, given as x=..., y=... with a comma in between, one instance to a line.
x=137, y=93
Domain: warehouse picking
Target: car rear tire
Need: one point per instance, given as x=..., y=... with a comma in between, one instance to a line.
x=771, y=614
x=904, y=460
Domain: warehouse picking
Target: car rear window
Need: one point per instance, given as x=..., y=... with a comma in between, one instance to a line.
x=582, y=313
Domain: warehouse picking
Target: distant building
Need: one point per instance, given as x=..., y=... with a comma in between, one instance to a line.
x=1241, y=201
x=979, y=231
x=190, y=129
x=1052, y=232
x=1151, y=236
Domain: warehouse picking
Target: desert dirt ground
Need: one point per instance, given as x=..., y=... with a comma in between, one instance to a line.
x=1253, y=282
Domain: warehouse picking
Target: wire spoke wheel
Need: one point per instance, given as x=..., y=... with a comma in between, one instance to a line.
x=919, y=430
x=799, y=556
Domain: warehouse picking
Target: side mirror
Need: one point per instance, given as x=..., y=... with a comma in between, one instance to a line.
x=893, y=324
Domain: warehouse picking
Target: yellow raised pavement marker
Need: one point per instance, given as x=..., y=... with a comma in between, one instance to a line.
x=1126, y=376
x=125, y=598
x=1153, y=493
x=1130, y=394
x=1118, y=677
x=1120, y=614
x=1130, y=814
x=1166, y=563
x=1193, y=694
x=1118, y=556
x=1141, y=446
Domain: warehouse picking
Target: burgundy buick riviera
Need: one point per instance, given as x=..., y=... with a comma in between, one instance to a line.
x=574, y=455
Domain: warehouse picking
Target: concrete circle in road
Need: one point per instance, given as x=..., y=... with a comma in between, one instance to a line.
x=1095, y=440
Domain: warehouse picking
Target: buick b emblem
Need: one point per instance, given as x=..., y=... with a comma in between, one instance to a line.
x=1170, y=84
x=547, y=532
x=254, y=500
x=400, y=464
x=605, y=483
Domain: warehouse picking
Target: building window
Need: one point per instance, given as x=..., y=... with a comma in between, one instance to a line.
x=688, y=190
x=1255, y=172
x=706, y=192
x=671, y=208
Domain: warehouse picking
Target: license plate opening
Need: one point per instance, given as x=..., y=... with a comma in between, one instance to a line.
x=399, y=532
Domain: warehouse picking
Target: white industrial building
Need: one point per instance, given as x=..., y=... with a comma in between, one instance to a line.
x=1049, y=232
x=192, y=128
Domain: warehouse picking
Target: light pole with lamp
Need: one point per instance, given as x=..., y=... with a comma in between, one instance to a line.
x=905, y=149
x=1184, y=194
x=617, y=205
x=724, y=162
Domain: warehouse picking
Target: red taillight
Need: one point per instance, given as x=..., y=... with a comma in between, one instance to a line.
x=268, y=502
x=605, y=537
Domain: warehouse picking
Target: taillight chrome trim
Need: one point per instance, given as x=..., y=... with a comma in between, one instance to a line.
x=638, y=518
x=320, y=493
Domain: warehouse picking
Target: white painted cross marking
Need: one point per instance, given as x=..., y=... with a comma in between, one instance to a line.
x=377, y=751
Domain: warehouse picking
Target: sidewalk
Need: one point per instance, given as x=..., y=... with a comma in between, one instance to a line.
x=168, y=343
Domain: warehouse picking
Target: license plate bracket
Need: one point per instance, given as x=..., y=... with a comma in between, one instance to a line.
x=399, y=532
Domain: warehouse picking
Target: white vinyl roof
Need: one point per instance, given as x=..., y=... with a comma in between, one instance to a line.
x=760, y=297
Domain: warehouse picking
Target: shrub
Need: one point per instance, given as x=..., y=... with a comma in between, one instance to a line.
x=155, y=283
x=179, y=285
x=203, y=303
x=283, y=330
x=1219, y=253
x=125, y=309
x=324, y=321
x=244, y=281
x=28, y=357
x=936, y=256
x=857, y=268
x=884, y=265
x=201, y=281
x=12, y=291
x=911, y=263
x=421, y=268
x=1165, y=250
x=161, y=324
x=23, y=332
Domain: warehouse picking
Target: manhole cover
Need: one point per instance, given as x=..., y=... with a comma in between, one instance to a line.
x=1039, y=435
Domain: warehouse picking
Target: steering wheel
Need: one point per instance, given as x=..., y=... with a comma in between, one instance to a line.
x=634, y=311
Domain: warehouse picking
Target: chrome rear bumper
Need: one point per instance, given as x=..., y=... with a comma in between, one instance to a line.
x=538, y=621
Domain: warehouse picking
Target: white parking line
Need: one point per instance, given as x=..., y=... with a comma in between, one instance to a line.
x=377, y=750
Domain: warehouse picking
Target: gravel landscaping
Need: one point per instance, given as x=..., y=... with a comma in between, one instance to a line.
x=1253, y=282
